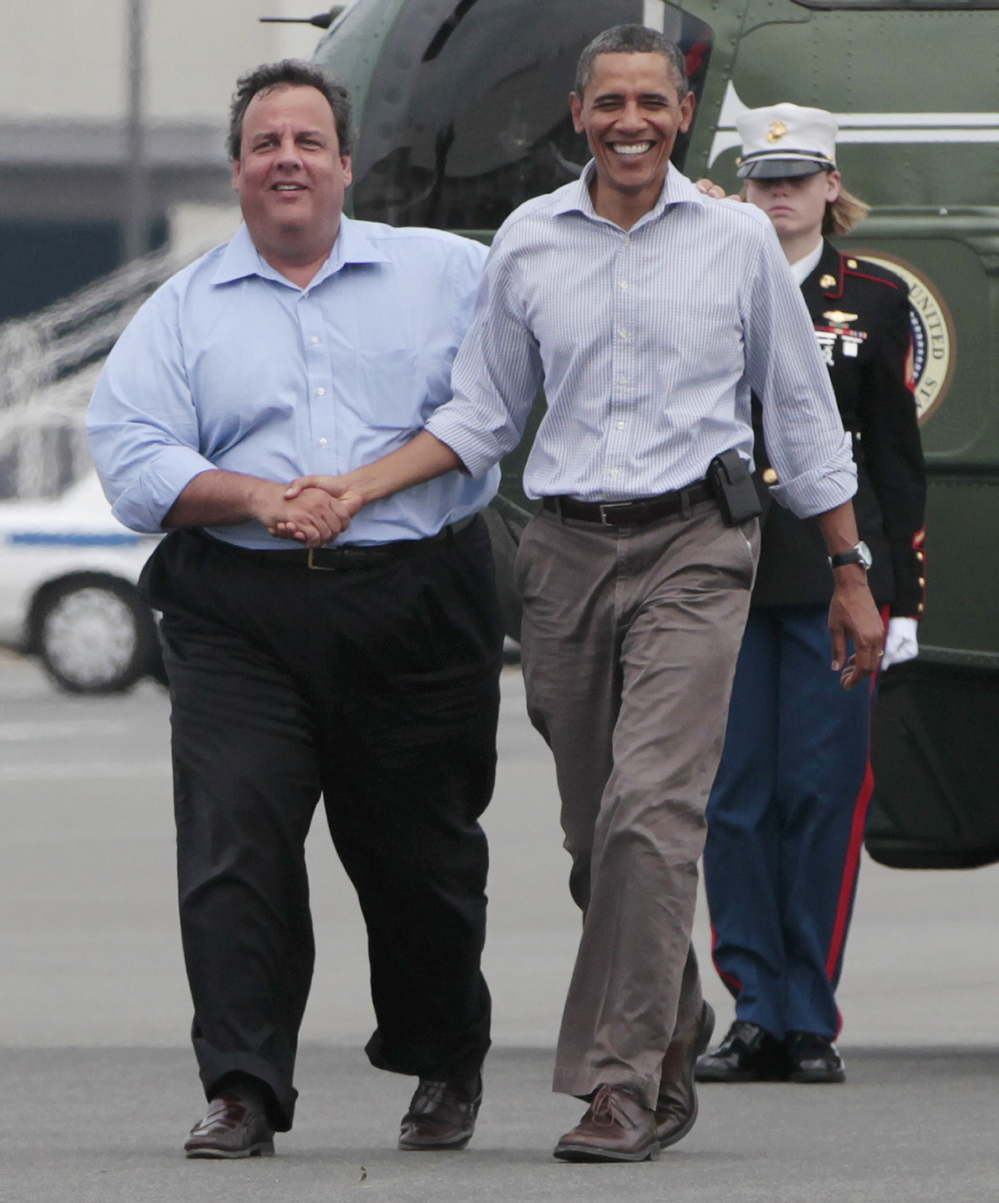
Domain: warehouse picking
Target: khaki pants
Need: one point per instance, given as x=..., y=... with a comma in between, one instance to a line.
x=629, y=641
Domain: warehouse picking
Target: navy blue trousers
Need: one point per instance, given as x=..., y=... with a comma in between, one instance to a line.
x=786, y=822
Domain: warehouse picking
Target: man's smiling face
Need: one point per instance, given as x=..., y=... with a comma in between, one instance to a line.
x=290, y=175
x=631, y=113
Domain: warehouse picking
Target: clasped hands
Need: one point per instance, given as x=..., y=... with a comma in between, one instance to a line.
x=314, y=510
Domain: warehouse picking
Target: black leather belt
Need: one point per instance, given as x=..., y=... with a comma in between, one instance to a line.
x=631, y=513
x=350, y=558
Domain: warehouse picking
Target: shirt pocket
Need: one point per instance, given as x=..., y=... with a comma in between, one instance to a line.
x=392, y=386
x=704, y=341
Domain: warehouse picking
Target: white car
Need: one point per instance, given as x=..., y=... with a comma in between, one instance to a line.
x=68, y=571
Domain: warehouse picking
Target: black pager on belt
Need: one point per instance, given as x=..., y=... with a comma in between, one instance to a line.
x=729, y=476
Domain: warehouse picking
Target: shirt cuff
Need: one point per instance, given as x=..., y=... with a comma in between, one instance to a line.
x=818, y=490
x=145, y=501
x=478, y=451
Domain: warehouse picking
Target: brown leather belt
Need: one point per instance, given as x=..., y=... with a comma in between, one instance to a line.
x=631, y=513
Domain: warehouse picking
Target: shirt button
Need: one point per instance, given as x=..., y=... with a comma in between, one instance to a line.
x=620, y=426
x=627, y=240
x=320, y=392
x=322, y=442
x=314, y=339
x=622, y=333
x=623, y=380
x=615, y=471
x=623, y=284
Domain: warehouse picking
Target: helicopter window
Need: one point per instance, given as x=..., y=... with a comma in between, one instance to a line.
x=467, y=112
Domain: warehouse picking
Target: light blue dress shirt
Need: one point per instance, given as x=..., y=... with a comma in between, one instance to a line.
x=230, y=365
x=648, y=343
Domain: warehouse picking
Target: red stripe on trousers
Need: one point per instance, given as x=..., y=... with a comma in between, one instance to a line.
x=853, y=851
x=730, y=980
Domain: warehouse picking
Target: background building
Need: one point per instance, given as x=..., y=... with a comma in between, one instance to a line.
x=73, y=261
x=64, y=87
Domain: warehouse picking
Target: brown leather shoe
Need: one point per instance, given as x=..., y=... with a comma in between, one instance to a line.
x=615, y=1128
x=232, y=1127
x=442, y=1115
x=676, y=1107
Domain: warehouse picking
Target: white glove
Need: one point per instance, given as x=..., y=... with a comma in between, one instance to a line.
x=901, y=642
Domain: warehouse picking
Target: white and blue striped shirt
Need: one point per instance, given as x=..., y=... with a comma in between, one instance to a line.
x=648, y=344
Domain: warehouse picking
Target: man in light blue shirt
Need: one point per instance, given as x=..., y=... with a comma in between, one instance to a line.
x=649, y=313
x=365, y=672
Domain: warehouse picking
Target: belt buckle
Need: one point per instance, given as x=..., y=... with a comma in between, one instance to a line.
x=320, y=567
x=611, y=505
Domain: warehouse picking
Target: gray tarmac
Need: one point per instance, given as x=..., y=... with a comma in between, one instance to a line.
x=100, y=1085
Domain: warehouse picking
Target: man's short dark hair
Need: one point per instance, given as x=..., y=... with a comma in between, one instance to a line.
x=632, y=39
x=288, y=73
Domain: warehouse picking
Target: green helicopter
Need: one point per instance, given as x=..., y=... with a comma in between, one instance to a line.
x=462, y=110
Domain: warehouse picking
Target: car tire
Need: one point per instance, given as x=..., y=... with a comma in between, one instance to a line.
x=94, y=634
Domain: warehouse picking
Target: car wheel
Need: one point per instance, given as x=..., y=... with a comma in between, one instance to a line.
x=94, y=634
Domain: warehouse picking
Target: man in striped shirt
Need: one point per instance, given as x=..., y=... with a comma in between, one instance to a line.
x=649, y=313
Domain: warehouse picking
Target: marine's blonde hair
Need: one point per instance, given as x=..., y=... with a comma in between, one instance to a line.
x=843, y=214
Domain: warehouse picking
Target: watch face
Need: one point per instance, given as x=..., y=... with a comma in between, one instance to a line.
x=865, y=558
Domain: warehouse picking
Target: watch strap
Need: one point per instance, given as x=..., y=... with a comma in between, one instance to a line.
x=853, y=555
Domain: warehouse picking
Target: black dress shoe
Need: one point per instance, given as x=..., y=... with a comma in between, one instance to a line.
x=747, y=1054
x=233, y=1127
x=441, y=1115
x=813, y=1058
x=676, y=1107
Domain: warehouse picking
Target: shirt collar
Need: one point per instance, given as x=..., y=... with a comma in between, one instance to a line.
x=241, y=257
x=804, y=267
x=677, y=190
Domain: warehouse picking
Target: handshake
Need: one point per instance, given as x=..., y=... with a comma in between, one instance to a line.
x=316, y=509
x=313, y=510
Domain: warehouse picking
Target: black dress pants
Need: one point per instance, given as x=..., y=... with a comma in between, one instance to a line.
x=377, y=688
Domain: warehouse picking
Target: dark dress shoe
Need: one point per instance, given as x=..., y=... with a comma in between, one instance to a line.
x=616, y=1127
x=676, y=1107
x=813, y=1058
x=441, y=1115
x=747, y=1054
x=232, y=1127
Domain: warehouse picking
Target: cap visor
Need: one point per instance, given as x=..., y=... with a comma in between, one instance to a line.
x=780, y=169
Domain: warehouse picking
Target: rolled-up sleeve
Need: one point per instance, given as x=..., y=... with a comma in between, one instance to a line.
x=804, y=434
x=142, y=423
x=496, y=374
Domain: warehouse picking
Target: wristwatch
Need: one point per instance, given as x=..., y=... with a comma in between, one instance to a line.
x=861, y=554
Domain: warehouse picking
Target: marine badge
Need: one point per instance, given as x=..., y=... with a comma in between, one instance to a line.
x=776, y=131
x=827, y=282
x=839, y=328
x=838, y=317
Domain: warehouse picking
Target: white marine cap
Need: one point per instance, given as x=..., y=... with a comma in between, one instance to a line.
x=785, y=140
